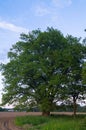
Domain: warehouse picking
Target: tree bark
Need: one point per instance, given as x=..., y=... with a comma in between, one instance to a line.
x=44, y=113
x=74, y=106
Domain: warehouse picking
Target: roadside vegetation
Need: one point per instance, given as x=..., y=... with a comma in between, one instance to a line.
x=56, y=122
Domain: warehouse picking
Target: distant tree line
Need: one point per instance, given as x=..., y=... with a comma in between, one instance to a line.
x=45, y=68
x=3, y=109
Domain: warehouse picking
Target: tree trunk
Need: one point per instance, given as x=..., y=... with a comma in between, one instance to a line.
x=74, y=106
x=44, y=113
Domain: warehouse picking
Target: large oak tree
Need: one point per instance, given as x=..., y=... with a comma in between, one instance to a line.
x=33, y=74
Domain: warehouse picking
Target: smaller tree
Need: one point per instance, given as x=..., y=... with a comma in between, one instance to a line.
x=74, y=84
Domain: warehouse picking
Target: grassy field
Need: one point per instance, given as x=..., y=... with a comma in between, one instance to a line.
x=57, y=122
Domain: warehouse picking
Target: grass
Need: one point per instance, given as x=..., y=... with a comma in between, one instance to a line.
x=33, y=120
x=52, y=123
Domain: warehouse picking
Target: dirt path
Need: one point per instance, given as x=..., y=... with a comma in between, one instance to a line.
x=8, y=124
x=7, y=119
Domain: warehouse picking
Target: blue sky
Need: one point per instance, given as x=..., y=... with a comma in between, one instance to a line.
x=17, y=16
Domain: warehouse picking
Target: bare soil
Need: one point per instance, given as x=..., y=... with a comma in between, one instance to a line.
x=7, y=119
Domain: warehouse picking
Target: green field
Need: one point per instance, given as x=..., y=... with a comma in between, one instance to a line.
x=52, y=123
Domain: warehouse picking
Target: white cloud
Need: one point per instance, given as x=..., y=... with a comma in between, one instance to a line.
x=12, y=27
x=62, y=3
x=41, y=11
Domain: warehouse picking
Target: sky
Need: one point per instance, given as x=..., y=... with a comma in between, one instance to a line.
x=17, y=16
